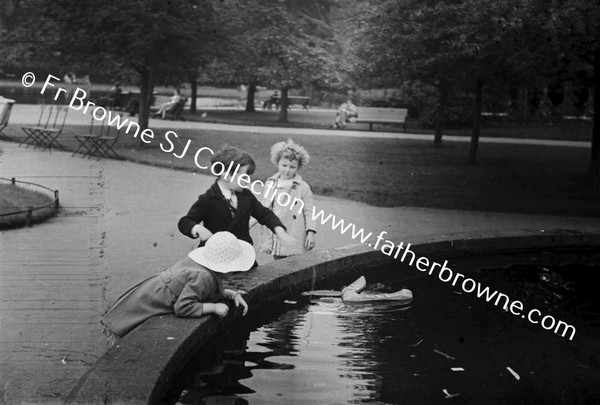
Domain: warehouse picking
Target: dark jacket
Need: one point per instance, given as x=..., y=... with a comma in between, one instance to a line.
x=212, y=209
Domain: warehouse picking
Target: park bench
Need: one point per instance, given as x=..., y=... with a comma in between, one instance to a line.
x=6, y=105
x=375, y=115
x=292, y=100
x=116, y=101
x=129, y=101
x=175, y=113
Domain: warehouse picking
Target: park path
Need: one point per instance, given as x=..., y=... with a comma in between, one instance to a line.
x=118, y=225
x=29, y=113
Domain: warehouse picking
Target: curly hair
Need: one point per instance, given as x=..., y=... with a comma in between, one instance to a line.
x=291, y=151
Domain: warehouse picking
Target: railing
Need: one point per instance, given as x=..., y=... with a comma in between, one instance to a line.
x=29, y=211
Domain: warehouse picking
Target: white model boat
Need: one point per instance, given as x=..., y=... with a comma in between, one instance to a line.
x=354, y=293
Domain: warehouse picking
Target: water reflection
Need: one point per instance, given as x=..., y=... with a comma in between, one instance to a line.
x=235, y=362
x=326, y=351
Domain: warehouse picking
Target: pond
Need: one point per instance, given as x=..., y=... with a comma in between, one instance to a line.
x=446, y=346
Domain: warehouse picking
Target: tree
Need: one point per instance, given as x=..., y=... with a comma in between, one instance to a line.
x=506, y=41
x=284, y=43
x=578, y=22
x=237, y=60
x=413, y=40
x=153, y=38
x=27, y=36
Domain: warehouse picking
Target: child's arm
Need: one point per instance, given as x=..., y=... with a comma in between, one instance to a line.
x=263, y=202
x=199, y=231
x=263, y=215
x=190, y=303
x=219, y=309
x=284, y=237
x=188, y=224
x=267, y=217
x=309, y=241
x=195, y=309
x=309, y=223
x=307, y=197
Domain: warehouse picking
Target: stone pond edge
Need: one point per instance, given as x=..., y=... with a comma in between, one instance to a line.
x=138, y=369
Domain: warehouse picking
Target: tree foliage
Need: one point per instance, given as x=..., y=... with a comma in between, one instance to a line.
x=579, y=24
x=285, y=44
x=149, y=39
x=470, y=44
x=27, y=36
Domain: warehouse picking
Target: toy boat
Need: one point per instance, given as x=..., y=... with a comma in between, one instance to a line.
x=353, y=293
x=323, y=293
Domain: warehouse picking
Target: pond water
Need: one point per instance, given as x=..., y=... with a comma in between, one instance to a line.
x=445, y=347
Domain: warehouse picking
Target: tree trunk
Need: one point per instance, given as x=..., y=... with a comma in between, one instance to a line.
x=476, y=122
x=194, y=86
x=146, y=98
x=250, y=96
x=523, y=104
x=593, y=187
x=283, y=105
x=443, y=101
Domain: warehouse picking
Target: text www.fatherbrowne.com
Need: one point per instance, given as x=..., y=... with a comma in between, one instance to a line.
x=445, y=274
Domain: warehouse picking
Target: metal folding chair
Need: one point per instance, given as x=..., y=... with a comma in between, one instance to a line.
x=86, y=141
x=6, y=105
x=103, y=146
x=47, y=131
x=100, y=143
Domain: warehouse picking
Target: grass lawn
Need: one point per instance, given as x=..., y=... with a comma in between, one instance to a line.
x=572, y=130
x=386, y=172
x=15, y=199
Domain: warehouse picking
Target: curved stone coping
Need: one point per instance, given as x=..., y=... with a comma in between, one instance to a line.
x=139, y=367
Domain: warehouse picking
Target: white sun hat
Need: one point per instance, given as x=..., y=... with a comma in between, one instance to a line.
x=224, y=253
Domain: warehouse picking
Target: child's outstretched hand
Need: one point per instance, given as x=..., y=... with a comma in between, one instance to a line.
x=309, y=242
x=239, y=300
x=199, y=231
x=284, y=237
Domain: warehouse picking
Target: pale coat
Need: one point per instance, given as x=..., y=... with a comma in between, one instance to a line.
x=181, y=289
x=296, y=219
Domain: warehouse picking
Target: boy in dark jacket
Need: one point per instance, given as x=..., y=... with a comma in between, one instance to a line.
x=226, y=206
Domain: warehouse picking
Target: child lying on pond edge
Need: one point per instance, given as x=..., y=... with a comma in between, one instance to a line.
x=192, y=287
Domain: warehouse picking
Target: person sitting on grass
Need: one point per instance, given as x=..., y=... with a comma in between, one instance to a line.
x=190, y=288
x=169, y=105
x=343, y=115
x=227, y=206
x=289, y=157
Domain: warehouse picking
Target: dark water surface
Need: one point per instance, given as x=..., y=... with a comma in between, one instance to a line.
x=323, y=351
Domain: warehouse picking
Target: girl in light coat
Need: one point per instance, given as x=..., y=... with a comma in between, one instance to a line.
x=294, y=210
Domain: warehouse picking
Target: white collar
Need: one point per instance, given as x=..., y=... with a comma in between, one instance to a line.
x=297, y=178
x=225, y=191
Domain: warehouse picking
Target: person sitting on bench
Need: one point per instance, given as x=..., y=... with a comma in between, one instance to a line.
x=169, y=105
x=346, y=111
x=115, y=97
x=272, y=101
